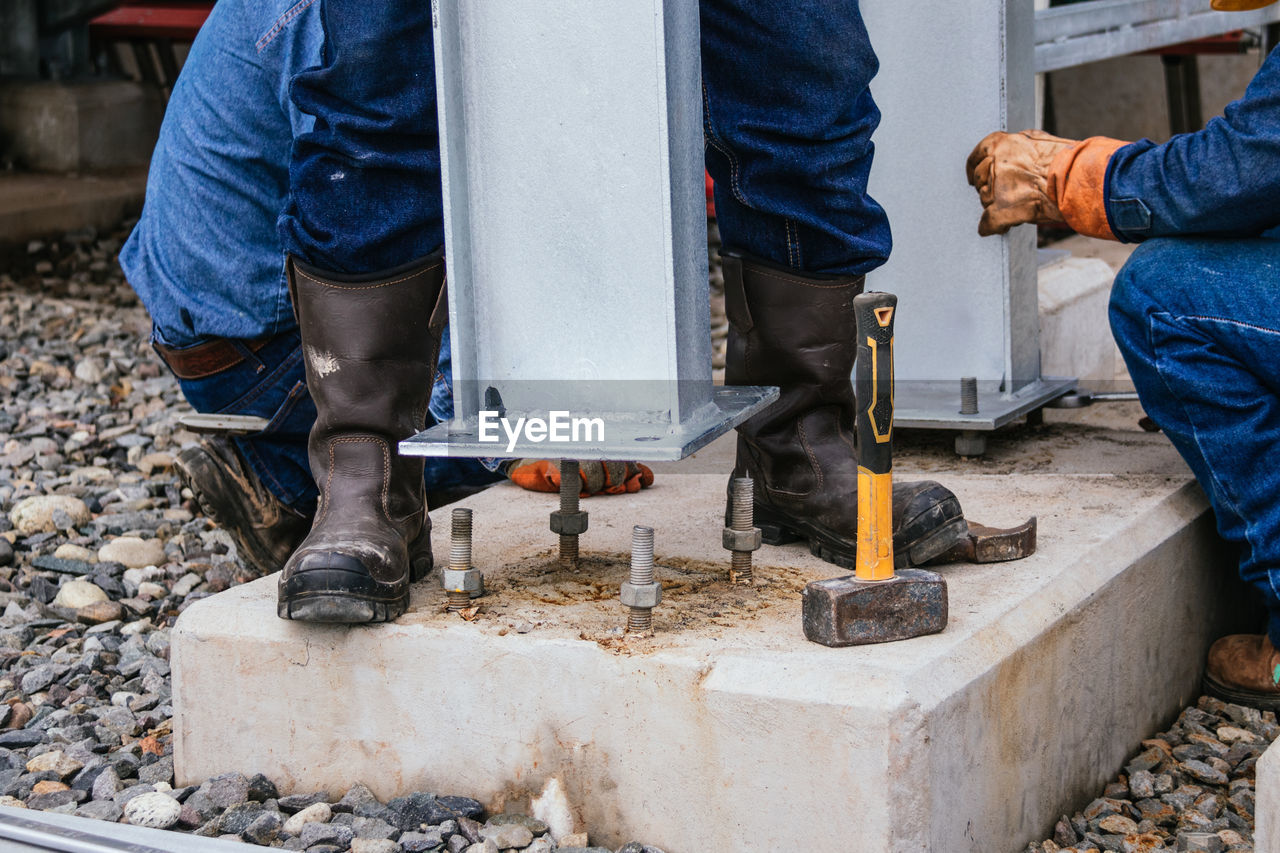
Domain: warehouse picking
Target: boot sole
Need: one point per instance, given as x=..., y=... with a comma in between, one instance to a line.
x=778, y=531
x=330, y=597
x=1240, y=696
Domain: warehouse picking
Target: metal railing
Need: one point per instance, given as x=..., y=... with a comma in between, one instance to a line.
x=1101, y=29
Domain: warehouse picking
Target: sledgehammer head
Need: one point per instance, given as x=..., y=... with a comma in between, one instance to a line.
x=849, y=612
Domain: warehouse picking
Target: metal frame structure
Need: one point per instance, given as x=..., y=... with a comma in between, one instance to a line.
x=1101, y=29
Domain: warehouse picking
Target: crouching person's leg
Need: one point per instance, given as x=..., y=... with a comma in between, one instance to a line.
x=1198, y=323
x=257, y=487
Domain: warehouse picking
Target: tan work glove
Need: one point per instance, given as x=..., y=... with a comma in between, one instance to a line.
x=1033, y=176
x=610, y=478
x=1011, y=174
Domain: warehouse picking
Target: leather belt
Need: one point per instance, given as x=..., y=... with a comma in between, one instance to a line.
x=207, y=358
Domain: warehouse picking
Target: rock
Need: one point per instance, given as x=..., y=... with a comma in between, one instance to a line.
x=264, y=830
x=36, y=514
x=100, y=810
x=38, y=678
x=372, y=827
x=357, y=796
x=1117, y=825
x=420, y=842
x=1202, y=772
x=1142, y=785
x=62, y=567
x=541, y=845
x=535, y=826
x=132, y=552
x=486, y=846
x=153, y=462
x=49, y=786
x=326, y=833
x=297, y=802
x=56, y=761
x=319, y=812
x=240, y=817
x=226, y=790
x=157, y=771
x=374, y=845
x=573, y=839
x=100, y=613
x=155, y=810
x=261, y=788
x=74, y=595
x=1231, y=734
x=507, y=835
x=6, y=554
x=12, y=802
x=107, y=785
x=55, y=799
x=79, y=553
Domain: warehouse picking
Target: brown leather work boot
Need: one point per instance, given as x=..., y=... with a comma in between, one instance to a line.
x=797, y=331
x=1244, y=669
x=265, y=531
x=370, y=345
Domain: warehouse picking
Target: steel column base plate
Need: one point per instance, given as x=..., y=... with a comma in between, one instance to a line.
x=936, y=405
x=625, y=438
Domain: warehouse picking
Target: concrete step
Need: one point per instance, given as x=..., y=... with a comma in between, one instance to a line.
x=38, y=204
x=727, y=731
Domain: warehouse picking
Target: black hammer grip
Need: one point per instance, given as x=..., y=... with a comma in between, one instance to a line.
x=874, y=313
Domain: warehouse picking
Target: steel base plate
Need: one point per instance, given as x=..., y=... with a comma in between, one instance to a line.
x=936, y=405
x=625, y=437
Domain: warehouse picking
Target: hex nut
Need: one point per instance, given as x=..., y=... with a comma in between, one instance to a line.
x=569, y=523
x=742, y=540
x=641, y=595
x=469, y=580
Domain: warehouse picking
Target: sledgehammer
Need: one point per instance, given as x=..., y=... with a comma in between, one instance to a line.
x=875, y=605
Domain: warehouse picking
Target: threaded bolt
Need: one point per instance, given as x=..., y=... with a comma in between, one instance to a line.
x=459, y=555
x=969, y=395
x=460, y=539
x=741, y=536
x=570, y=484
x=640, y=619
x=741, y=517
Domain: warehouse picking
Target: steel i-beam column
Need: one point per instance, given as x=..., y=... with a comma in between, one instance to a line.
x=571, y=137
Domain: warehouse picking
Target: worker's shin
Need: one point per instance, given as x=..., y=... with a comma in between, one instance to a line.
x=797, y=331
x=370, y=344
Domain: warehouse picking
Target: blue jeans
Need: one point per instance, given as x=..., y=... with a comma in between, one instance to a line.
x=788, y=121
x=309, y=127
x=1198, y=322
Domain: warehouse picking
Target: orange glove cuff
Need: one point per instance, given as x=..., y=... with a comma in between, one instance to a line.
x=539, y=476
x=1077, y=182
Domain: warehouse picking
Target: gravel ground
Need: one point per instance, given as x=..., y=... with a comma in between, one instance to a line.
x=101, y=549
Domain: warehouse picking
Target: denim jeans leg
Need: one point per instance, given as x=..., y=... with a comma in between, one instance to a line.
x=788, y=121
x=1198, y=323
x=364, y=182
x=271, y=384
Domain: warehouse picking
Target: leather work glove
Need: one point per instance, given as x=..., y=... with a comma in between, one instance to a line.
x=1011, y=174
x=1033, y=176
x=608, y=478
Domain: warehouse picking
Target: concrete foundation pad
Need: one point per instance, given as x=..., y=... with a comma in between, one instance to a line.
x=727, y=731
x=34, y=204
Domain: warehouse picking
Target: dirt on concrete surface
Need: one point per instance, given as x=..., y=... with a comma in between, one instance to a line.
x=537, y=593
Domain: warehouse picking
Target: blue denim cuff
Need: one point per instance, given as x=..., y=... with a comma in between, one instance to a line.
x=1128, y=217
